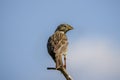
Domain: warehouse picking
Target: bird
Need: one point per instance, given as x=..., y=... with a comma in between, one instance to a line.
x=57, y=45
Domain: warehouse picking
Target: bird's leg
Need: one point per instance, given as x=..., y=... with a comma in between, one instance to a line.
x=57, y=63
x=61, y=62
x=65, y=61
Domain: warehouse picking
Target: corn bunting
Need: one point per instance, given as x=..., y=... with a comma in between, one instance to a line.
x=58, y=43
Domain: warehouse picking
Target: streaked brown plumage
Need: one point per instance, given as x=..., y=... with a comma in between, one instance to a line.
x=57, y=45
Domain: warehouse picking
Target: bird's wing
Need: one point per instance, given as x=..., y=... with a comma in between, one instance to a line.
x=57, y=43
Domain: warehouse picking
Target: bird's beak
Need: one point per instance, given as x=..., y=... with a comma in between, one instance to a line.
x=70, y=27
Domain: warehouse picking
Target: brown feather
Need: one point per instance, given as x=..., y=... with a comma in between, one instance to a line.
x=57, y=46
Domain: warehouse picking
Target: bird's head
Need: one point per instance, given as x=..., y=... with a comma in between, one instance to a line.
x=64, y=28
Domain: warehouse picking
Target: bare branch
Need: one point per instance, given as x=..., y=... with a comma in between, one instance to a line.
x=51, y=68
x=63, y=71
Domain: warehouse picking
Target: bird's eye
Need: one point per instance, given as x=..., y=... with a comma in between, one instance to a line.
x=64, y=26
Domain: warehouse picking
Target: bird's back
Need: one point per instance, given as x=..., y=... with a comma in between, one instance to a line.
x=57, y=44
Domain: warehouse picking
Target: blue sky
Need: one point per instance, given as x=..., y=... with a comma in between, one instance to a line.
x=94, y=44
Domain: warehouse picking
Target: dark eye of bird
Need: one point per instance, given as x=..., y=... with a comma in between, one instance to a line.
x=64, y=26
